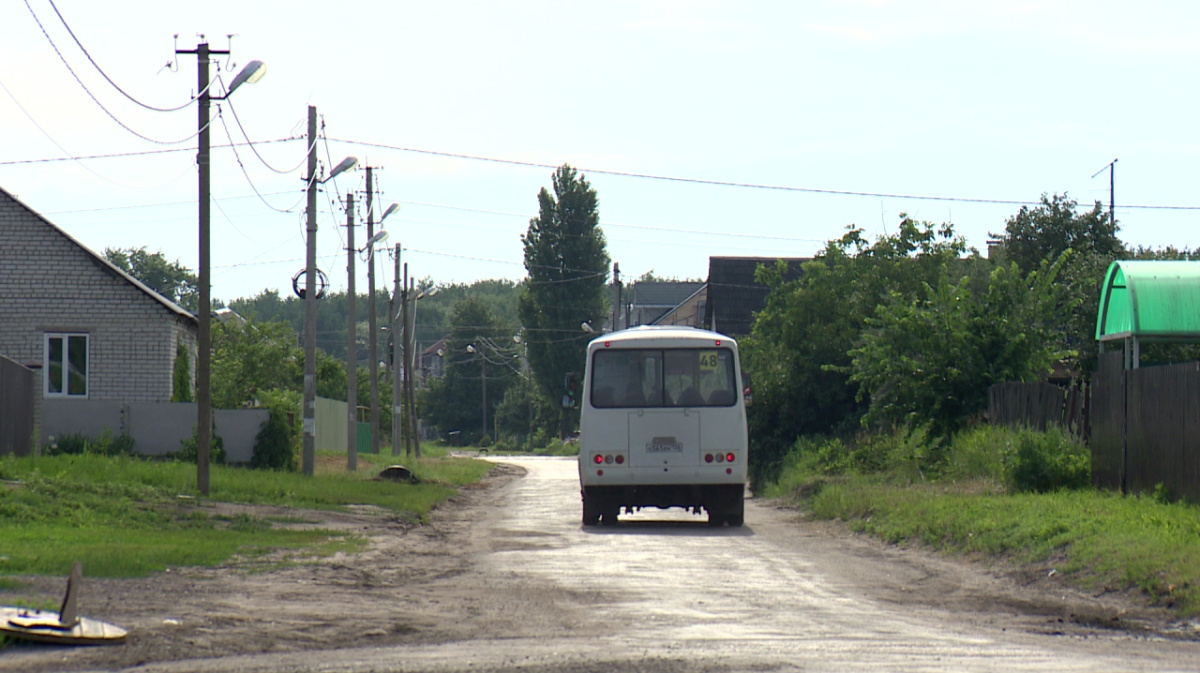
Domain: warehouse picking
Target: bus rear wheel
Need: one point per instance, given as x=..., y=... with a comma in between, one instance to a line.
x=737, y=513
x=591, y=510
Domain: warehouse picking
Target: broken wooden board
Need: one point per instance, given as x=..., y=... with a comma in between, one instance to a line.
x=44, y=626
x=65, y=626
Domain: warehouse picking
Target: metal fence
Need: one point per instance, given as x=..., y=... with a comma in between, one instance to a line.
x=16, y=408
x=1146, y=428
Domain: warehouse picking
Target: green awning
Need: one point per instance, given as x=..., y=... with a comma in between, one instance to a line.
x=1150, y=300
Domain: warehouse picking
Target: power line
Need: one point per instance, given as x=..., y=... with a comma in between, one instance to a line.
x=247, y=174
x=93, y=96
x=56, y=143
x=122, y=155
x=255, y=149
x=101, y=70
x=724, y=183
x=514, y=162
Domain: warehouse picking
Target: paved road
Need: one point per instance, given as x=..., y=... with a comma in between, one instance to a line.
x=662, y=592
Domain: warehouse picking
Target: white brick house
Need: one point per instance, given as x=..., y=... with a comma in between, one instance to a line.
x=92, y=331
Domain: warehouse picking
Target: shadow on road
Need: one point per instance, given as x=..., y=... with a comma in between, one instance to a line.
x=697, y=528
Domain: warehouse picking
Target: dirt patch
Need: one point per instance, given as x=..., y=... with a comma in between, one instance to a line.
x=418, y=584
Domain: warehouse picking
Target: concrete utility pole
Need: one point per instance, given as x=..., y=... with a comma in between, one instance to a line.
x=617, y=306
x=253, y=72
x=352, y=345
x=204, y=337
x=410, y=348
x=310, y=306
x=405, y=398
x=397, y=367
x=372, y=328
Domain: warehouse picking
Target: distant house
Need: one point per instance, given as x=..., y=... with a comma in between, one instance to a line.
x=733, y=294
x=90, y=330
x=647, y=302
x=433, y=361
x=689, y=312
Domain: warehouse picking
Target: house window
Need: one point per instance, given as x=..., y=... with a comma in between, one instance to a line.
x=66, y=365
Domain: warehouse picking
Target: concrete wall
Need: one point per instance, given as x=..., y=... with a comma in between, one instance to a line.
x=157, y=428
x=332, y=417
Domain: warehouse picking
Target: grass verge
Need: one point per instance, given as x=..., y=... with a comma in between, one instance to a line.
x=1097, y=540
x=128, y=517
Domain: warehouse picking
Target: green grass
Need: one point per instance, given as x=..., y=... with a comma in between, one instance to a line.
x=1098, y=540
x=128, y=517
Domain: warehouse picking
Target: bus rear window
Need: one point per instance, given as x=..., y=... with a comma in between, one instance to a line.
x=673, y=377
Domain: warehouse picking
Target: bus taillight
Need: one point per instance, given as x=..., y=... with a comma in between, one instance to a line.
x=620, y=459
x=729, y=457
x=598, y=459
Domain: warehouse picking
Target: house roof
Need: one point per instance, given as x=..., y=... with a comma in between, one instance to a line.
x=104, y=264
x=662, y=293
x=1150, y=299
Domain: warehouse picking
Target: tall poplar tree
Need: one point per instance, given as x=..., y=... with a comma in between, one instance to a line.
x=567, y=261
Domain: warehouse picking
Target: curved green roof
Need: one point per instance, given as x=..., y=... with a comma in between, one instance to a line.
x=1150, y=299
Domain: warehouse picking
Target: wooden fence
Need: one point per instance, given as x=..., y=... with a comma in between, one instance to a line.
x=1149, y=430
x=1038, y=405
x=16, y=408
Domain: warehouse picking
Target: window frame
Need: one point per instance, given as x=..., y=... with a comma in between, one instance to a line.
x=660, y=400
x=64, y=391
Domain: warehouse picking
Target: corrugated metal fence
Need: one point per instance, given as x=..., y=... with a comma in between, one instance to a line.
x=16, y=408
x=1148, y=432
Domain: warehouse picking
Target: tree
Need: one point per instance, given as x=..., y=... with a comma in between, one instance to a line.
x=798, y=351
x=567, y=262
x=1042, y=234
x=1046, y=231
x=455, y=402
x=170, y=279
x=928, y=360
x=253, y=357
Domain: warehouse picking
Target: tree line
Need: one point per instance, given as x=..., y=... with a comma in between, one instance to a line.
x=909, y=331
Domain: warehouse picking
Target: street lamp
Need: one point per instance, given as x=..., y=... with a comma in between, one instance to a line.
x=250, y=74
x=310, y=294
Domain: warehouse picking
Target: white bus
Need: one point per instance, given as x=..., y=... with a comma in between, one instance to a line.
x=663, y=424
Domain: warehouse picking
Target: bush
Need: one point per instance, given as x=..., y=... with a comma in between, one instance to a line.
x=273, y=445
x=979, y=453
x=66, y=445
x=1047, y=461
x=191, y=447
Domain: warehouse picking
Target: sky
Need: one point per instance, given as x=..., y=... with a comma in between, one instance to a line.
x=754, y=128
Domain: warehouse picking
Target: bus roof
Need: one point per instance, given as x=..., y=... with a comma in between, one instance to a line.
x=684, y=336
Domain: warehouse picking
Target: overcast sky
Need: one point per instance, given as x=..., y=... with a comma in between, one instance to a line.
x=855, y=108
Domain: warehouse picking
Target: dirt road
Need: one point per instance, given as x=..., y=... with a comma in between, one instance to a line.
x=505, y=578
